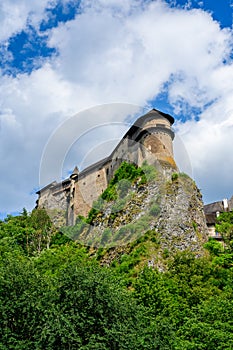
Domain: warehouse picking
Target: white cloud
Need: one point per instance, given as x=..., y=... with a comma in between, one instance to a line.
x=109, y=56
x=14, y=16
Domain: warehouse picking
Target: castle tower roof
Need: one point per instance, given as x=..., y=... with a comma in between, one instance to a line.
x=75, y=173
x=154, y=113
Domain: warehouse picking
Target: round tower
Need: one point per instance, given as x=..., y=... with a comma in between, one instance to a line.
x=156, y=136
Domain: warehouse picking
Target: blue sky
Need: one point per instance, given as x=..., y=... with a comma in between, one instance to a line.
x=61, y=57
x=28, y=46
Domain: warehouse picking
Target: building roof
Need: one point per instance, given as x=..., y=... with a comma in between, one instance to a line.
x=94, y=166
x=153, y=113
x=50, y=185
x=210, y=218
x=74, y=173
x=213, y=207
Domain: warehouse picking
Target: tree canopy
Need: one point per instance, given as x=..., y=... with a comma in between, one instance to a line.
x=54, y=294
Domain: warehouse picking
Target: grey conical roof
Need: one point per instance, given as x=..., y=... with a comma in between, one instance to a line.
x=74, y=173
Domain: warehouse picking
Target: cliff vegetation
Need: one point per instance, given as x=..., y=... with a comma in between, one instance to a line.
x=54, y=294
x=151, y=204
x=138, y=273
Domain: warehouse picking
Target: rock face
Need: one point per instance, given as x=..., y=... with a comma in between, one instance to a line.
x=182, y=223
x=168, y=209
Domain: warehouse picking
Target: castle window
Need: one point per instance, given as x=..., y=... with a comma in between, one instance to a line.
x=98, y=175
x=107, y=171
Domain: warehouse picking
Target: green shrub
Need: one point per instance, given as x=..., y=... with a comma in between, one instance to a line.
x=92, y=215
x=122, y=187
x=119, y=205
x=73, y=232
x=99, y=204
x=124, y=176
x=166, y=253
x=154, y=209
x=109, y=194
x=126, y=171
x=149, y=171
x=106, y=236
x=175, y=176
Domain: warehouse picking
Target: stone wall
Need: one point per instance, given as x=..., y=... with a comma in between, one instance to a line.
x=149, y=139
x=87, y=190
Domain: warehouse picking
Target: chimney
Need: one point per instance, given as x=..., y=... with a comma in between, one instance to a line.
x=225, y=204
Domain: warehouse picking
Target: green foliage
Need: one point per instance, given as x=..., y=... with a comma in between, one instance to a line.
x=119, y=205
x=133, y=230
x=73, y=232
x=118, y=188
x=126, y=171
x=92, y=215
x=184, y=175
x=82, y=307
x=149, y=172
x=125, y=175
x=107, y=234
x=109, y=194
x=224, y=226
x=60, y=298
x=59, y=238
x=122, y=187
x=175, y=176
x=33, y=232
x=166, y=253
x=222, y=254
x=214, y=247
x=154, y=209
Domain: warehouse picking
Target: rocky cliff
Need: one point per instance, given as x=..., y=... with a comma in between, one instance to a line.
x=157, y=206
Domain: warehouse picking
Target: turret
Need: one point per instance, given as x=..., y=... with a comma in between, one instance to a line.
x=154, y=133
x=71, y=197
x=74, y=175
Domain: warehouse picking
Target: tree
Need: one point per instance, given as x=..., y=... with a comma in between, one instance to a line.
x=224, y=226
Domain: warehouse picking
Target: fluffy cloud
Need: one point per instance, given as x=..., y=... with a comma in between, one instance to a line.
x=14, y=16
x=126, y=52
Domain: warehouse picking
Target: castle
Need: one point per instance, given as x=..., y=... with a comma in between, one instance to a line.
x=149, y=139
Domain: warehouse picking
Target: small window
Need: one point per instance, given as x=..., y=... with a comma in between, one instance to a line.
x=98, y=175
x=107, y=171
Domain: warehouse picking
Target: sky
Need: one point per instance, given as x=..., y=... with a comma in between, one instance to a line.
x=78, y=72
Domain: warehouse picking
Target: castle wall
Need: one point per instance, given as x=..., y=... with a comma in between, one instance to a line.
x=87, y=190
x=53, y=199
x=150, y=139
